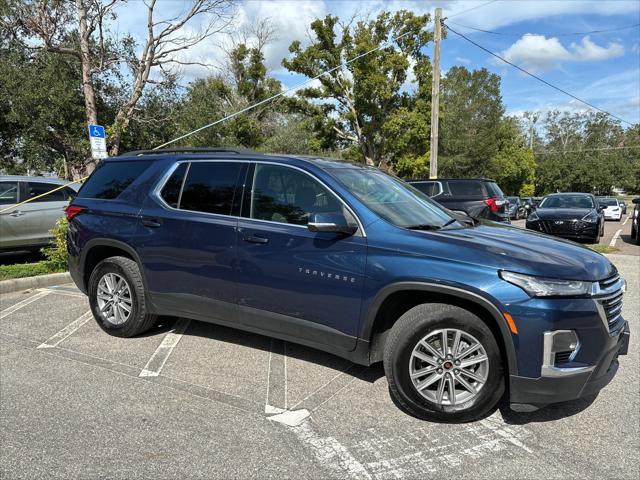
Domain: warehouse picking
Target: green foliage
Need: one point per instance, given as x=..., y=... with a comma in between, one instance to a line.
x=22, y=270
x=354, y=105
x=56, y=253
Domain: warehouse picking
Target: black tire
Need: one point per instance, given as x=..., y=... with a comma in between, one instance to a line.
x=139, y=320
x=596, y=239
x=413, y=326
x=635, y=235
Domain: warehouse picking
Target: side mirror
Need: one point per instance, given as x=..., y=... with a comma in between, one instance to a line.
x=330, y=222
x=636, y=200
x=600, y=208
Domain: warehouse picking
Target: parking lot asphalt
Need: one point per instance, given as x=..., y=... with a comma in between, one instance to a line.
x=193, y=400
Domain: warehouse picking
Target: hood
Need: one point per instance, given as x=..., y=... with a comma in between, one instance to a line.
x=517, y=250
x=562, y=213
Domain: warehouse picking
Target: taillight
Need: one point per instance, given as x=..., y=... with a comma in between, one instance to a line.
x=492, y=204
x=72, y=210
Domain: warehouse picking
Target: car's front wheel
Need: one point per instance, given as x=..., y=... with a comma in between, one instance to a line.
x=117, y=298
x=443, y=363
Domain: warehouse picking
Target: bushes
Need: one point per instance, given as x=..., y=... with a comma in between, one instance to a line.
x=56, y=252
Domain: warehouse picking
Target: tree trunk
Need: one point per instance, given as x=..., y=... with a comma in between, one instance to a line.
x=87, y=79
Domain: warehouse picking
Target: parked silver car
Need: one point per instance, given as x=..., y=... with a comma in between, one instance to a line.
x=27, y=226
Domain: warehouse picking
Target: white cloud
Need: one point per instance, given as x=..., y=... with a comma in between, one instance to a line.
x=538, y=53
x=464, y=60
x=588, y=51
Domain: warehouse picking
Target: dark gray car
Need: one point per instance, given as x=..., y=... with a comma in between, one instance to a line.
x=27, y=226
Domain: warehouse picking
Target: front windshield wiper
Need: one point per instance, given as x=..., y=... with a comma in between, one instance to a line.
x=428, y=226
x=424, y=226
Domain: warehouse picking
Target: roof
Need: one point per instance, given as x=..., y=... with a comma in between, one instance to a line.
x=561, y=194
x=26, y=178
x=235, y=153
x=479, y=179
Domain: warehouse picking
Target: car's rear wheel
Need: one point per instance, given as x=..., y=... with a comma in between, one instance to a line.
x=443, y=363
x=117, y=298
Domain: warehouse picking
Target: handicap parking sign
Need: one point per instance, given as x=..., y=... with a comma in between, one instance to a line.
x=98, y=141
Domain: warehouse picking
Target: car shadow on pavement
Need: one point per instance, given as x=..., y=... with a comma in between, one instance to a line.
x=550, y=413
x=267, y=344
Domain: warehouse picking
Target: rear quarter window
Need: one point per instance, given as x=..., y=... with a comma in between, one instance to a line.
x=494, y=190
x=466, y=188
x=110, y=179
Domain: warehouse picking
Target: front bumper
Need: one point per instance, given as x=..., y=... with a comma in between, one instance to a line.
x=531, y=393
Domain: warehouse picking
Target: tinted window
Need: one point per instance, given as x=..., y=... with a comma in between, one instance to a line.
x=8, y=193
x=567, y=201
x=171, y=191
x=466, y=188
x=210, y=187
x=513, y=200
x=429, y=188
x=493, y=189
x=284, y=195
x=38, y=188
x=110, y=179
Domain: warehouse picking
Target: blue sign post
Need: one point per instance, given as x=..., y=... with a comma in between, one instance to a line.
x=98, y=141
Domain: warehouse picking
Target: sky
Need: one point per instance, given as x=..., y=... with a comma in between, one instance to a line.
x=546, y=37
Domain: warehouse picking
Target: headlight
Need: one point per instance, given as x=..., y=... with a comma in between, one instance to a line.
x=547, y=287
x=590, y=217
x=533, y=217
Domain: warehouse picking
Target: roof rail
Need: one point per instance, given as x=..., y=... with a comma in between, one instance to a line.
x=165, y=151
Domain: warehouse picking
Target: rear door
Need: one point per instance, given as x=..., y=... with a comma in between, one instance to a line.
x=186, y=239
x=10, y=224
x=466, y=196
x=40, y=215
x=304, y=285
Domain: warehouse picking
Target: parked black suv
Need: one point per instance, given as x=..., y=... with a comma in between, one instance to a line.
x=477, y=197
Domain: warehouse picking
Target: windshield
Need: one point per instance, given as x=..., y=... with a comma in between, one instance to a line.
x=567, y=201
x=392, y=199
x=512, y=199
x=608, y=202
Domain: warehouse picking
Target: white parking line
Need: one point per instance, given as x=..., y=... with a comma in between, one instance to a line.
x=161, y=355
x=626, y=220
x=23, y=303
x=615, y=238
x=67, y=331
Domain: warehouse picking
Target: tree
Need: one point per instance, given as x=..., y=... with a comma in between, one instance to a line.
x=354, y=103
x=81, y=31
x=472, y=111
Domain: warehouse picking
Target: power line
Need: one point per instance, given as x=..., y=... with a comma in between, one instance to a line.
x=586, y=150
x=540, y=79
x=292, y=89
x=514, y=34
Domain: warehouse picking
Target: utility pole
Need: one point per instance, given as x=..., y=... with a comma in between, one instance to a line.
x=435, y=95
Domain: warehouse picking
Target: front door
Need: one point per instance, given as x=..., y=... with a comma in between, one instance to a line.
x=186, y=238
x=300, y=284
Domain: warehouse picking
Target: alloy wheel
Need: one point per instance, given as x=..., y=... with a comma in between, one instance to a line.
x=449, y=367
x=114, y=298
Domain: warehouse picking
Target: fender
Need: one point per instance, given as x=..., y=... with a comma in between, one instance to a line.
x=109, y=242
x=461, y=293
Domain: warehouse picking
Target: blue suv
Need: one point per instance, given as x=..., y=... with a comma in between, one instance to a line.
x=349, y=260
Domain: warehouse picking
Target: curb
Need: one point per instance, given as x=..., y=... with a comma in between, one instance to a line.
x=17, y=284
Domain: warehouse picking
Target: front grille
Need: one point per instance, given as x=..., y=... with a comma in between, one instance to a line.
x=567, y=226
x=612, y=302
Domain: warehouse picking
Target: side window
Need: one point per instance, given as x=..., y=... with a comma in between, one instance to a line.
x=38, y=188
x=431, y=189
x=111, y=178
x=285, y=195
x=171, y=191
x=466, y=188
x=210, y=187
x=8, y=193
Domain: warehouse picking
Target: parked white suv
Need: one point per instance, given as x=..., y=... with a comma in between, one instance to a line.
x=27, y=226
x=612, y=209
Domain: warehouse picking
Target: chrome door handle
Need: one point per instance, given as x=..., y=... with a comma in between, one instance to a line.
x=16, y=213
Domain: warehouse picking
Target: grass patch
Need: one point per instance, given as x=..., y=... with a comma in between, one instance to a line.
x=21, y=270
x=603, y=248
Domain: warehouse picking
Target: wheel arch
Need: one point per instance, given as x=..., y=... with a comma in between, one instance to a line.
x=97, y=249
x=395, y=299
